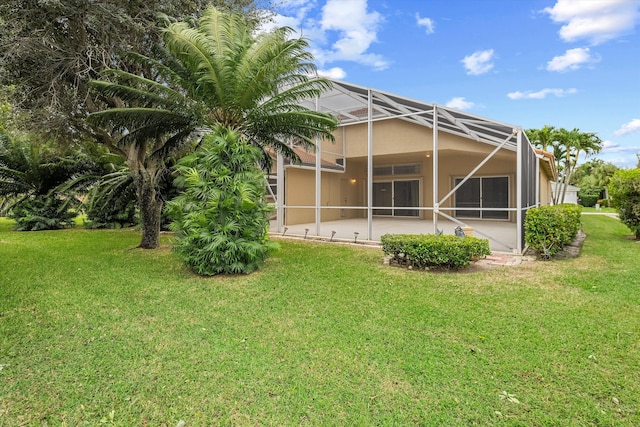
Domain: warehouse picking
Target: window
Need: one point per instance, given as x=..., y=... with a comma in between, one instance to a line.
x=397, y=170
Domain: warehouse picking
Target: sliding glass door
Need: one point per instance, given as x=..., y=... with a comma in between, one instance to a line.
x=483, y=193
x=402, y=195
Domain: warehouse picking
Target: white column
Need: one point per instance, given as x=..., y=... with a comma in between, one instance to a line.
x=369, y=165
x=519, y=191
x=436, y=205
x=538, y=160
x=280, y=192
x=318, y=176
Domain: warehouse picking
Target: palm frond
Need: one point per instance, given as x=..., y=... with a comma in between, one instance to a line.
x=128, y=119
x=139, y=97
x=176, y=143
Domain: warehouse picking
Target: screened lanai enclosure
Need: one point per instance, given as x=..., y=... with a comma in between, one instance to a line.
x=403, y=166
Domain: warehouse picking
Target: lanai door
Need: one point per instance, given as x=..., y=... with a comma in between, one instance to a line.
x=402, y=195
x=484, y=193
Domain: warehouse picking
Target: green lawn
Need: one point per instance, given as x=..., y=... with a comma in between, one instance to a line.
x=93, y=331
x=601, y=210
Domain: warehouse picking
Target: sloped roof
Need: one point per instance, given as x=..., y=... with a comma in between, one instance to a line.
x=548, y=163
x=350, y=104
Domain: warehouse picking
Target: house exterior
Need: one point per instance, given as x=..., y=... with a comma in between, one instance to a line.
x=394, y=158
x=570, y=196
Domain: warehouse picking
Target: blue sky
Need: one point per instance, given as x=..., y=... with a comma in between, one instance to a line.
x=565, y=63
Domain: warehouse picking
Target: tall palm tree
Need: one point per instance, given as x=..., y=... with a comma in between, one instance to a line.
x=568, y=146
x=588, y=143
x=542, y=138
x=213, y=72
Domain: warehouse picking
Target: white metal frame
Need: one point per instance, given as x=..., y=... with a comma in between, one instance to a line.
x=346, y=101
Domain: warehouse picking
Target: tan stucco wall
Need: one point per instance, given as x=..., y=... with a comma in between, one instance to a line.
x=545, y=188
x=396, y=136
x=300, y=187
x=395, y=142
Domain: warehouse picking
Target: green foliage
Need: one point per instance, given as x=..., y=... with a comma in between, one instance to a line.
x=213, y=71
x=549, y=228
x=427, y=250
x=106, y=208
x=589, y=196
x=42, y=213
x=32, y=174
x=624, y=192
x=52, y=49
x=594, y=173
x=221, y=219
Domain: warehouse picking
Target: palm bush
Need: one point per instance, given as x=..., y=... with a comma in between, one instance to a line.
x=221, y=219
x=31, y=175
x=42, y=213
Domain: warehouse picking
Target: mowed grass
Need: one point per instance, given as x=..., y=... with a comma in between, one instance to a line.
x=94, y=331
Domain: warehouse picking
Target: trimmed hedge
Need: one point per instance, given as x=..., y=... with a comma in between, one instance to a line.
x=547, y=229
x=427, y=250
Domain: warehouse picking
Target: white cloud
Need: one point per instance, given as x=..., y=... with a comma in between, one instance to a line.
x=427, y=23
x=357, y=29
x=460, y=103
x=333, y=73
x=632, y=126
x=478, y=62
x=541, y=94
x=572, y=60
x=282, y=21
x=342, y=30
x=609, y=147
x=597, y=21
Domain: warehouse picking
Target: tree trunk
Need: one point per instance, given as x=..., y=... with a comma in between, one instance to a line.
x=150, y=211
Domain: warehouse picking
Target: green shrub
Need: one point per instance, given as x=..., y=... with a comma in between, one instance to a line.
x=427, y=250
x=221, y=219
x=624, y=191
x=589, y=196
x=111, y=206
x=42, y=213
x=549, y=228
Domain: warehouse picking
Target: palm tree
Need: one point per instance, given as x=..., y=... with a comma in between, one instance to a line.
x=542, y=138
x=572, y=143
x=214, y=72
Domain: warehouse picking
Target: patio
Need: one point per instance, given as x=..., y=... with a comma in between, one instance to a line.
x=504, y=238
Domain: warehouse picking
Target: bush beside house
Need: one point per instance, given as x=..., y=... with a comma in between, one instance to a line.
x=549, y=228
